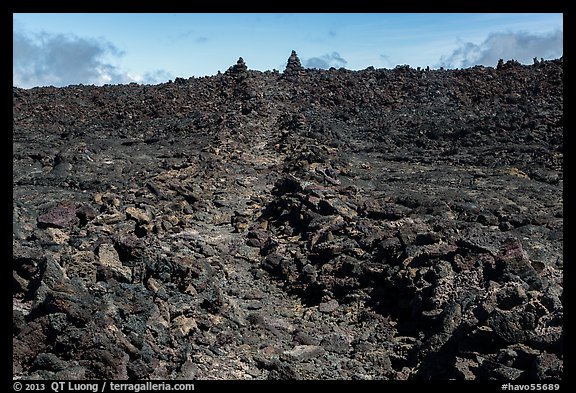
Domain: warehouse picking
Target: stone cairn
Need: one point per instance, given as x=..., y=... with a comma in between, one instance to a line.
x=238, y=70
x=293, y=68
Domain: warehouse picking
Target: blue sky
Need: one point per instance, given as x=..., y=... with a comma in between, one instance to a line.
x=63, y=49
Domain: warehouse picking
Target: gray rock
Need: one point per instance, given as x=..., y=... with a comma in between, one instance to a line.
x=510, y=295
x=547, y=367
x=328, y=307
x=336, y=343
x=302, y=353
x=512, y=326
x=49, y=362
x=110, y=261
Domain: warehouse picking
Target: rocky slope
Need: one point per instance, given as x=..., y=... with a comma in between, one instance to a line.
x=376, y=224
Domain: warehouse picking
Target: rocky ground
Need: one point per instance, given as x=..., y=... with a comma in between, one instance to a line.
x=305, y=224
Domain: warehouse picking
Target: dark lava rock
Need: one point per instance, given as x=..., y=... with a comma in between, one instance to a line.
x=60, y=216
x=293, y=67
x=314, y=224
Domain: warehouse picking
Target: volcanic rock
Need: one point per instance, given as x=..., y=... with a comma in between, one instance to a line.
x=316, y=224
x=293, y=66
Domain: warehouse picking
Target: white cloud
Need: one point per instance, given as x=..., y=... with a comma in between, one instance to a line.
x=59, y=60
x=521, y=46
x=326, y=61
x=47, y=59
x=157, y=76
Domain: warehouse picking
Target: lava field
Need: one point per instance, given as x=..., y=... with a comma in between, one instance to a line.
x=391, y=224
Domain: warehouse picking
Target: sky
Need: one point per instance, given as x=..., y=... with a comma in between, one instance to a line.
x=60, y=49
